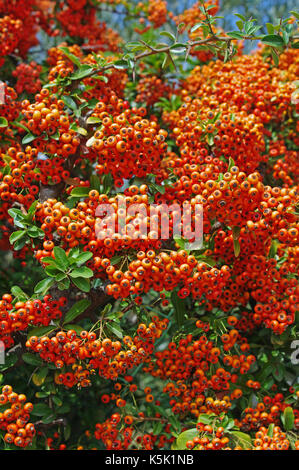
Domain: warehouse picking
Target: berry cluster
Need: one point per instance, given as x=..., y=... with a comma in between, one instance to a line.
x=14, y=420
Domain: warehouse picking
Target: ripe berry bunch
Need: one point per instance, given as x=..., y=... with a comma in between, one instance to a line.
x=20, y=184
x=187, y=365
x=10, y=35
x=79, y=20
x=150, y=89
x=28, y=78
x=163, y=270
x=9, y=106
x=126, y=144
x=14, y=419
x=278, y=441
x=111, y=358
x=201, y=122
x=266, y=412
x=17, y=316
x=44, y=118
x=120, y=432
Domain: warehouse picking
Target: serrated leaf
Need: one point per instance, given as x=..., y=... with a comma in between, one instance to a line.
x=39, y=377
x=294, y=13
x=60, y=258
x=16, y=236
x=244, y=440
x=43, y=286
x=82, y=283
x=76, y=310
x=83, y=71
x=93, y=120
x=184, y=437
x=32, y=359
x=272, y=40
x=19, y=293
x=270, y=430
x=115, y=329
x=80, y=191
x=29, y=137
x=71, y=56
x=3, y=122
x=69, y=102
x=40, y=331
x=237, y=248
x=83, y=271
x=235, y=35
x=76, y=328
x=83, y=257
x=179, y=308
x=289, y=418
x=41, y=409
x=158, y=427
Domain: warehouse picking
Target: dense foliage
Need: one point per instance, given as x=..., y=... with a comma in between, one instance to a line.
x=130, y=339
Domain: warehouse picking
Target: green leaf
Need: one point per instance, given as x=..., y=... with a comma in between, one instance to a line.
x=3, y=122
x=16, y=236
x=237, y=248
x=28, y=138
x=81, y=258
x=273, y=40
x=82, y=72
x=70, y=103
x=83, y=271
x=76, y=328
x=275, y=57
x=35, y=232
x=184, y=437
x=82, y=283
x=179, y=308
x=204, y=419
x=76, y=310
x=120, y=64
x=231, y=163
x=115, y=328
x=243, y=439
x=168, y=35
x=273, y=249
x=57, y=400
x=80, y=191
x=206, y=259
x=19, y=244
x=180, y=241
x=71, y=56
x=41, y=409
x=60, y=258
x=64, y=284
x=43, y=286
x=158, y=427
x=270, y=430
x=40, y=331
x=289, y=418
x=31, y=210
x=240, y=24
x=236, y=232
x=175, y=423
x=93, y=120
x=235, y=35
x=32, y=359
x=294, y=13
x=270, y=28
x=19, y=294
x=39, y=377
x=60, y=276
x=240, y=16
